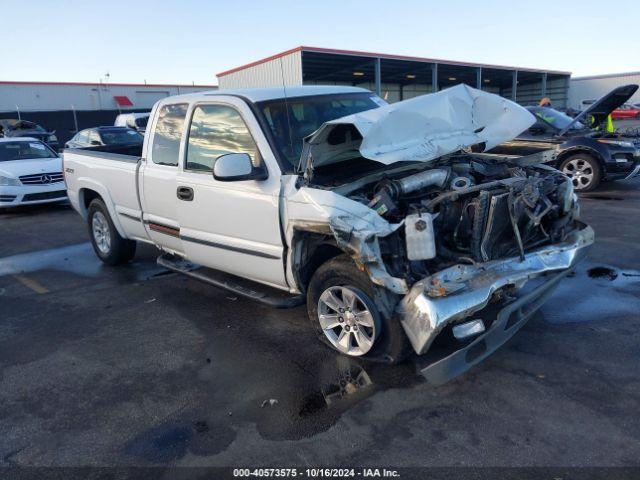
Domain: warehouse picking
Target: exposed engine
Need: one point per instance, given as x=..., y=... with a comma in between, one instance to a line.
x=469, y=208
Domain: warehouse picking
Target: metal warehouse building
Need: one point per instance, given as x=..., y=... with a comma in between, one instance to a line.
x=69, y=107
x=593, y=87
x=396, y=77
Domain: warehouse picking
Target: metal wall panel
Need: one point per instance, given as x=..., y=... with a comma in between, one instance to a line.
x=591, y=88
x=273, y=73
x=47, y=97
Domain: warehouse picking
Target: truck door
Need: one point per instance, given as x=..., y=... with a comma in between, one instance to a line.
x=231, y=226
x=158, y=177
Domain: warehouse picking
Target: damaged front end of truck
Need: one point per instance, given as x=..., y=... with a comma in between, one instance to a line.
x=470, y=244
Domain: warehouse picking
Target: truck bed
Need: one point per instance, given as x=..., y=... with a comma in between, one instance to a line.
x=110, y=174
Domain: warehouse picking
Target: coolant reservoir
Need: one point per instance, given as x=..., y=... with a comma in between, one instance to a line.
x=418, y=229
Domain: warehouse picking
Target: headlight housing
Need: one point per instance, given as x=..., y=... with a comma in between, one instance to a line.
x=619, y=143
x=9, y=182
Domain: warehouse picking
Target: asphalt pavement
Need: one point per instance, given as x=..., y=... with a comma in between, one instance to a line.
x=135, y=366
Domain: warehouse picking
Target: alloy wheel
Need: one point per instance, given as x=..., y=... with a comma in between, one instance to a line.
x=346, y=320
x=580, y=171
x=101, y=232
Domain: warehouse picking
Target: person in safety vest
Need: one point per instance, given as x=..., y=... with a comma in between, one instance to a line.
x=545, y=102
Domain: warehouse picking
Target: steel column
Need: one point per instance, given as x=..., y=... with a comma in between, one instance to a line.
x=378, y=77
x=434, y=77
x=544, y=85
x=514, y=86
x=479, y=78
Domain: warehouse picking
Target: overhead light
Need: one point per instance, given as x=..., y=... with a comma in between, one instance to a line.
x=411, y=76
x=486, y=80
x=452, y=78
x=358, y=74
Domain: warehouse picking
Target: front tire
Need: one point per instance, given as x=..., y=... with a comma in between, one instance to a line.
x=352, y=315
x=583, y=170
x=109, y=246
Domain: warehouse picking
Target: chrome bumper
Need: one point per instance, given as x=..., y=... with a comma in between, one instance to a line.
x=459, y=291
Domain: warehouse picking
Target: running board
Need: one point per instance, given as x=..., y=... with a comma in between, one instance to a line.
x=240, y=286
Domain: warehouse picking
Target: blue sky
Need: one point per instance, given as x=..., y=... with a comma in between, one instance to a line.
x=181, y=41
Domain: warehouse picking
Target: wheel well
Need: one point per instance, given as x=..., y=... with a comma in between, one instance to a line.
x=87, y=195
x=569, y=153
x=310, y=251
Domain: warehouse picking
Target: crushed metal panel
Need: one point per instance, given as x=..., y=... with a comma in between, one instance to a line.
x=422, y=128
x=461, y=290
x=355, y=227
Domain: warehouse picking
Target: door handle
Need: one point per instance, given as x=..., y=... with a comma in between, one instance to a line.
x=185, y=193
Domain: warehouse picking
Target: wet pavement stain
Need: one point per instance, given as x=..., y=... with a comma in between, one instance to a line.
x=603, y=272
x=594, y=293
x=173, y=440
x=161, y=444
x=79, y=259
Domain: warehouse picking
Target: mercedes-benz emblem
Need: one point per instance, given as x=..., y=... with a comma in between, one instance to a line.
x=45, y=178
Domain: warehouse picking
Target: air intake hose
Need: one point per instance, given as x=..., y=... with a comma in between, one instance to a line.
x=412, y=183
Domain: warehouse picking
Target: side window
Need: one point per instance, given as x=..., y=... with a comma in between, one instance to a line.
x=217, y=130
x=83, y=137
x=94, y=136
x=166, y=139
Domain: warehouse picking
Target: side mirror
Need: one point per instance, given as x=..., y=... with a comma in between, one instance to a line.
x=536, y=130
x=234, y=167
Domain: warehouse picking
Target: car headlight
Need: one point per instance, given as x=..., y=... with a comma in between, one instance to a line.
x=53, y=138
x=619, y=143
x=8, y=181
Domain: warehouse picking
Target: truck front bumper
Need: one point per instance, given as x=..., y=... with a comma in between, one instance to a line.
x=452, y=295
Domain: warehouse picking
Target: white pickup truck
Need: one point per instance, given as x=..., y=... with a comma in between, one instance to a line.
x=388, y=221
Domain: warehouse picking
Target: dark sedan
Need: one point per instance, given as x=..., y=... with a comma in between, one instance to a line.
x=11, y=127
x=587, y=154
x=105, y=137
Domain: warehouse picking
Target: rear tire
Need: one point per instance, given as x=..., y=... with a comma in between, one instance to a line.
x=109, y=246
x=366, y=327
x=584, y=171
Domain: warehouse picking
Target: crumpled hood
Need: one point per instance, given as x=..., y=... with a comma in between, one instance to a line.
x=419, y=129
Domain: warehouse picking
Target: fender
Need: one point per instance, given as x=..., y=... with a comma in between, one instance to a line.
x=86, y=183
x=589, y=145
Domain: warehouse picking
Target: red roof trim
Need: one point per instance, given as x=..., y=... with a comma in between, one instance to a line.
x=385, y=56
x=123, y=100
x=95, y=84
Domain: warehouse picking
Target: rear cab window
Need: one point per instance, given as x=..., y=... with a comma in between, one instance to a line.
x=168, y=133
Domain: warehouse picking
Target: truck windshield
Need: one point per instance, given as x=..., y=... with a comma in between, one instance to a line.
x=10, y=151
x=306, y=114
x=555, y=118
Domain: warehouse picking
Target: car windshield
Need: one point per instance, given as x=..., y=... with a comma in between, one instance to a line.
x=120, y=136
x=10, y=151
x=555, y=118
x=306, y=114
